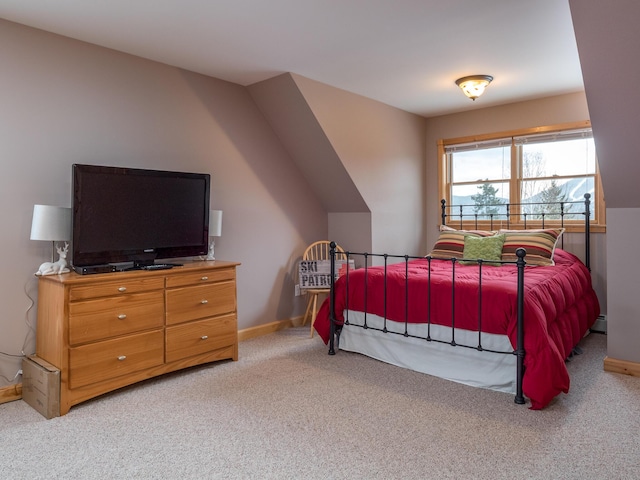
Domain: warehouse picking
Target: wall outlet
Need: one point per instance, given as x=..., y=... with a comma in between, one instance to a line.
x=297, y=291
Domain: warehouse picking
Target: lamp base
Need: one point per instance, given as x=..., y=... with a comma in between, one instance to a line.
x=211, y=248
x=50, y=268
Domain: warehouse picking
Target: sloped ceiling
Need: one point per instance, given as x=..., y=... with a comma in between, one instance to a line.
x=288, y=112
x=609, y=45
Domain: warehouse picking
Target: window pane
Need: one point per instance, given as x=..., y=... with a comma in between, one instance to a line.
x=481, y=164
x=557, y=190
x=481, y=198
x=569, y=157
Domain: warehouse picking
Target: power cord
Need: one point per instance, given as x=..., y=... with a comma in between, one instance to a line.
x=30, y=333
x=18, y=373
x=9, y=380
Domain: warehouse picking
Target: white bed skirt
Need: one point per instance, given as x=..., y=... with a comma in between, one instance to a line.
x=469, y=366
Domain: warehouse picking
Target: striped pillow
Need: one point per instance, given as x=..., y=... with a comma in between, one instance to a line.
x=539, y=244
x=450, y=243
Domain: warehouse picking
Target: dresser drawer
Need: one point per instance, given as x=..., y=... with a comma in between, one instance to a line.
x=113, y=358
x=200, y=301
x=114, y=288
x=102, y=318
x=200, y=278
x=202, y=336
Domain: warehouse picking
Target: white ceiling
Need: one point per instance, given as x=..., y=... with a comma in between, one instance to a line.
x=406, y=53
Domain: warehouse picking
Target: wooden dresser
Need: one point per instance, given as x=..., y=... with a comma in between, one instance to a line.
x=106, y=331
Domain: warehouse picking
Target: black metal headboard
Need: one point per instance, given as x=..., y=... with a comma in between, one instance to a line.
x=527, y=212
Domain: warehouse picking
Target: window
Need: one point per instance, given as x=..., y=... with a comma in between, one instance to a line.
x=524, y=169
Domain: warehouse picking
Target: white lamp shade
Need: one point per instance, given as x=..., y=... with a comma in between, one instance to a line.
x=51, y=223
x=215, y=223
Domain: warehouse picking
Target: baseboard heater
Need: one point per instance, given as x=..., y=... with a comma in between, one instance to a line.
x=600, y=325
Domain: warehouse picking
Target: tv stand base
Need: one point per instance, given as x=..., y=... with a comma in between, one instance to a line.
x=87, y=270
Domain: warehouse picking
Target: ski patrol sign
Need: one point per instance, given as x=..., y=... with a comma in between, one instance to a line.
x=317, y=273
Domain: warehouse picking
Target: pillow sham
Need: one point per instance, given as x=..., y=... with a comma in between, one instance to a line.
x=450, y=243
x=540, y=245
x=483, y=248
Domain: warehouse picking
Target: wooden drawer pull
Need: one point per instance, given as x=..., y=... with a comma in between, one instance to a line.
x=122, y=316
x=204, y=279
x=122, y=357
x=204, y=302
x=122, y=289
x=204, y=337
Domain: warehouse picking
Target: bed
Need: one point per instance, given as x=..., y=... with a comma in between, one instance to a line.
x=505, y=320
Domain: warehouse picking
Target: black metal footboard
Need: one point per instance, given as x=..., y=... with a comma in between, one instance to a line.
x=519, y=350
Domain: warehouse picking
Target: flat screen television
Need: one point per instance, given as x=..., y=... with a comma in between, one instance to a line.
x=128, y=215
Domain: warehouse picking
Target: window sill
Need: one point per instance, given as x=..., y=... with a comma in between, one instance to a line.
x=485, y=225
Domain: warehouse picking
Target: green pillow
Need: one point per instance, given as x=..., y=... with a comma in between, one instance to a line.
x=483, y=248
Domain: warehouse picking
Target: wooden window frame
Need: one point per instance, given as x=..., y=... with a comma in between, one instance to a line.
x=444, y=176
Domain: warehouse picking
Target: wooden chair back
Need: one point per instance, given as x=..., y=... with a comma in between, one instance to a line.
x=321, y=251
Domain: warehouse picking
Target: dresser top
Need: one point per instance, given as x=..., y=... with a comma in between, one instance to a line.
x=187, y=267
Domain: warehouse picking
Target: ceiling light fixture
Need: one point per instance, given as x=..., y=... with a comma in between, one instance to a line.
x=474, y=85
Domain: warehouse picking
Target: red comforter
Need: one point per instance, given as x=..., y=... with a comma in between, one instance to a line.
x=560, y=306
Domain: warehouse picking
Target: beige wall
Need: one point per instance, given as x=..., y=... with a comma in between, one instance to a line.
x=623, y=315
x=352, y=231
x=534, y=113
x=608, y=43
x=66, y=102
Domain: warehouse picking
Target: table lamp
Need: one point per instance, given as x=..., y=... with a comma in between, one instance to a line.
x=215, y=230
x=52, y=224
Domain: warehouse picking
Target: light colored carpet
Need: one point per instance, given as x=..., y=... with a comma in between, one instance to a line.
x=287, y=410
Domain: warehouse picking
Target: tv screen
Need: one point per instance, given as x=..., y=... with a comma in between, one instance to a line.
x=135, y=215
